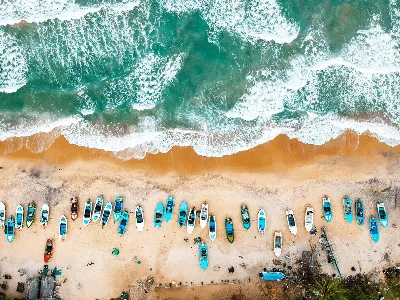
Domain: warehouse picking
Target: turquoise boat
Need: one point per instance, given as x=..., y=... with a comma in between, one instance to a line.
x=382, y=214
x=272, y=276
x=203, y=254
x=158, y=215
x=118, y=206
x=230, y=233
x=169, y=209
x=373, y=229
x=359, y=208
x=30, y=215
x=183, y=211
x=348, y=212
x=244, y=211
x=123, y=222
x=327, y=208
x=10, y=229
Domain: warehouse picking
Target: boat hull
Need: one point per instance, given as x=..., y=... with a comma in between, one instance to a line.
x=139, y=224
x=19, y=217
x=348, y=215
x=203, y=255
x=203, y=215
x=262, y=222
x=158, y=219
x=212, y=228
x=183, y=209
x=374, y=229
x=169, y=209
x=309, y=218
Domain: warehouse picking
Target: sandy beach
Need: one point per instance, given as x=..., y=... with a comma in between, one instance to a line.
x=276, y=176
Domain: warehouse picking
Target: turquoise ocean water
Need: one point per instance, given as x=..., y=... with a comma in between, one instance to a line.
x=221, y=76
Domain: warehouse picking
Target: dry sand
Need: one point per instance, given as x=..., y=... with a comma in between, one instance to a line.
x=278, y=175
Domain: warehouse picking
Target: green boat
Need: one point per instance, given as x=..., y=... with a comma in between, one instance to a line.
x=244, y=211
x=230, y=233
x=30, y=215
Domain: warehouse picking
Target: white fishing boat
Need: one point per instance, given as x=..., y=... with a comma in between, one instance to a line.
x=204, y=215
x=262, y=221
x=98, y=207
x=2, y=214
x=277, y=243
x=139, y=218
x=309, y=218
x=212, y=228
x=106, y=214
x=63, y=228
x=191, y=220
x=291, y=221
x=44, y=215
x=19, y=217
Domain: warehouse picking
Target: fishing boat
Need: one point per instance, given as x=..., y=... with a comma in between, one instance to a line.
x=139, y=218
x=118, y=206
x=30, y=215
x=291, y=221
x=48, y=251
x=10, y=229
x=204, y=215
x=74, y=208
x=212, y=228
x=382, y=214
x=348, y=213
x=158, y=215
x=19, y=217
x=98, y=207
x=87, y=213
x=272, y=275
x=169, y=209
x=2, y=214
x=203, y=254
x=309, y=218
x=183, y=211
x=123, y=222
x=373, y=229
x=327, y=208
x=262, y=221
x=278, y=243
x=359, y=208
x=63, y=228
x=191, y=221
x=44, y=215
x=245, y=216
x=230, y=233
x=106, y=214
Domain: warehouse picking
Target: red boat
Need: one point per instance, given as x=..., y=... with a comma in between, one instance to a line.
x=74, y=208
x=48, y=251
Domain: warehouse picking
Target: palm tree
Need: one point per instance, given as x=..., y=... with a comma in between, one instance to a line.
x=326, y=289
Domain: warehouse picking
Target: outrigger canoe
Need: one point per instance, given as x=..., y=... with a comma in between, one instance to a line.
x=74, y=208
x=373, y=229
x=106, y=214
x=19, y=217
x=359, y=208
x=191, y=221
x=327, y=208
x=139, y=218
x=10, y=229
x=309, y=218
x=123, y=222
x=87, y=213
x=158, y=215
x=348, y=212
x=203, y=254
x=63, y=228
x=98, y=207
x=118, y=206
x=44, y=215
x=2, y=214
x=48, y=251
x=183, y=211
x=204, y=215
x=278, y=243
x=382, y=214
x=244, y=211
x=291, y=221
x=169, y=209
x=30, y=215
x=262, y=221
x=230, y=233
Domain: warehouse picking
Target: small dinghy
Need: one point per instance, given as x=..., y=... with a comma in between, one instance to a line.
x=373, y=229
x=87, y=213
x=327, y=208
x=183, y=211
x=291, y=221
x=48, y=251
x=74, y=208
x=106, y=214
x=44, y=215
x=63, y=228
x=158, y=215
x=191, y=220
x=382, y=214
x=359, y=208
x=118, y=206
x=212, y=228
x=139, y=218
x=262, y=221
x=309, y=218
x=2, y=214
x=278, y=243
x=244, y=211
x=10, y=229
x=204, y=215
x=169, y=209
x=348, y=212
x=98, y=207
x=123, y=222
x=272, y=275
x=230, y=233
x=19, y=217
x=203, y=254
x=30, y=215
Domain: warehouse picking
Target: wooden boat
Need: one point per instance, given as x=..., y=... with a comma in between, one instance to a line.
x=309, y=218
x=230, y=232
x=48, y=251
x=158, y=215
x=348, y=212
x=327, y=208
x=98, y=207
x=382, y=214
x=87, y=213
x=191, y=222
x=212, y=228
x=44, y=215
x=10, y=229
x=183, y=212
x=74, y=208
x=204, y=215
x=139, y=218
x=2, y=214
x=19, y=217
x=30, y=215
x=373, y=229
x=106, y=214
x=169, y=209
x=278, y=243
x=118, y=206
x=262, y=221
x=203, y=255
x=63, y=228
x=123, y=222
x=244, y=211
x=291, y=221
x=359, y=208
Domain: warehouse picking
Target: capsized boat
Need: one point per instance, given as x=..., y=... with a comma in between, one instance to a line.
x=348, y=213
x=158, y=215
x=191, y=220
x=244, y=211
x=98, y=207
x=373, y=229
x=74, y=208
x=272, y=275
x=183, y=211
x=118, y=206
x=291, y=221
x=44, y=215
x=30, y=215
x=87, y=213
x=10, y=229
x=204, y=215
x=359, y=208
x=169, y=209
x=2, y=214
x=327, y=208
x=203, y=255
x=212, y=228
x=309, y=218
x=106, y=214
x=230, y=233
x=63, y=228
x=123, y=222
x=139, y=218
x=19, y=217
x=48, y=251
x=382, y=214
x=278, y=243
x=262, y=221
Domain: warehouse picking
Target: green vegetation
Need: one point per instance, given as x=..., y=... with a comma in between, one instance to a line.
x=327, y=288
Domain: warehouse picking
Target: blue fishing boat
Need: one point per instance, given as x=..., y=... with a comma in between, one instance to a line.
x=106, y=214
x=230, y=233
x=10, y=229
x=123, y=222
x=203, y=254
x=382, y=214
x=212, y=228
x=158, y=215
x=359, y=207
x=30, y=215
x=244, y=211
x=118, y=206
x=169, y=209
x=348, y=212
x=272, y=275
x=262, y=222
x=19, y=217
x=373, y=229
x=327, y=208
x=183, y=211
x=87, y=213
